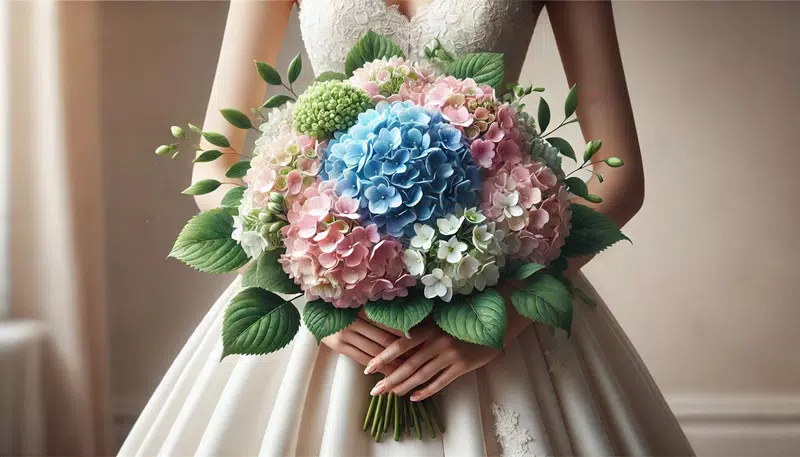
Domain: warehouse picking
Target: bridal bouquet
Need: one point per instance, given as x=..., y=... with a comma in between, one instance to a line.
x=411, y=190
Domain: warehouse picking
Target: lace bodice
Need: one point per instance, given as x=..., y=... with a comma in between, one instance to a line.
x=331, y=27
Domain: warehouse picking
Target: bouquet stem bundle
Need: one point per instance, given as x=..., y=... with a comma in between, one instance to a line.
x=403, y=415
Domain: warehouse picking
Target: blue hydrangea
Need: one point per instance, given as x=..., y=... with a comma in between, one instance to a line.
x=405, y=164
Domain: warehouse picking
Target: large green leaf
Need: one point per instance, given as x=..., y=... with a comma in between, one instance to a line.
x=370, y=47
x=323, y=319
x=591, y=232
x=258, y=322
x=478, y=318
x=545, y=299
x=526, y=270
x=268, y=274
x=205, y=243
x=401, y=313
x=484, y=67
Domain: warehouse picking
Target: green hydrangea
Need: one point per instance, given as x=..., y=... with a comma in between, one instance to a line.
x=327, y=107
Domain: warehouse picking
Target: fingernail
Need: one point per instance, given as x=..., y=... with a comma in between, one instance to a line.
x=415, y=397
x=370, y=367
x=378, y=389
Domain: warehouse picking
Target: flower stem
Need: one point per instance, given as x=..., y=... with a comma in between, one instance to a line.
x=397, y=417
x=379, y=430
x=370, y=412
x=406, y=417
x=388, y=412
x=377, y=416
x=432, y=405
x=413, y=408
x=426, y=418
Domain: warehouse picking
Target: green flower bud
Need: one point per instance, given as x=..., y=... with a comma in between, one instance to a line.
x=276, y=197
x=162, y=150
x=178, y=132
x=614, y=162
x=275, y=226
x=328, y=106
x=275, y=208
x=266, y=216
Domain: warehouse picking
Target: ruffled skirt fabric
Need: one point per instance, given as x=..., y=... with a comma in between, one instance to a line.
x=590, y=395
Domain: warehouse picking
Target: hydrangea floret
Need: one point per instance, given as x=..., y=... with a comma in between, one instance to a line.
x=393, y=80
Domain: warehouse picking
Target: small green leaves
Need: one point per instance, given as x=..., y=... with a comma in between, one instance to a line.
x=177, y=132
x=258, y=322
x=330, y=76
x=233, y=197
x=236, y=118
x=162, y=150
x=484, y=67
x=276, y=101
x=571, y=102
x=268, y=74
x=591, y=232
x=217, y=139
x=563, y=146
x=577, y=186
x=591, y=198
x=545, y=299
x=268, y=274
x=202, y=187
x=208, y=156
x=238, y=170
x=323, y=319
x=369, y=47
x=591, y=149
x=295, y=67
x=195, y=129
x=400, y=313
x=478, y=318
x=525, y=271
x=205, y=243
x=543, y=114
x=614, y=162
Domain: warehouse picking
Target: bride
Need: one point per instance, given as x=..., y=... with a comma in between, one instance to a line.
x=545, y=395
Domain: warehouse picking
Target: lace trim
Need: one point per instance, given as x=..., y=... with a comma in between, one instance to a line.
x=511, y=437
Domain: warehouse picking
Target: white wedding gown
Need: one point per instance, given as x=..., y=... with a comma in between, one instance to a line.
x=590, y=395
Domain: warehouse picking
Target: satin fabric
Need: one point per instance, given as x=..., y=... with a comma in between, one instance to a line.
x=588, y=395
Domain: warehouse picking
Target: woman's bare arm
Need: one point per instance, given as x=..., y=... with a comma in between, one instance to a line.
x=587, y=41
x=254, y=31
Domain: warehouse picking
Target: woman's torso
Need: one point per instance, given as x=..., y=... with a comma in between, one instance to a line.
x=331, y=27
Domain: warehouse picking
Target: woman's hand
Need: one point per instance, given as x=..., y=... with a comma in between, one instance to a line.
x=439, y=360
x=361, y=341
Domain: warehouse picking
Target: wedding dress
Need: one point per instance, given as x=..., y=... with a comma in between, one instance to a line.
x=589, y=395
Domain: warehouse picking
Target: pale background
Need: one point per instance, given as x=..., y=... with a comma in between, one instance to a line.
x=708, y=293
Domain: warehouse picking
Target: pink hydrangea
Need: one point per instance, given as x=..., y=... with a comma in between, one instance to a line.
x=498, y=140
x=393, y=79
x=333, y=258
x=527, y=201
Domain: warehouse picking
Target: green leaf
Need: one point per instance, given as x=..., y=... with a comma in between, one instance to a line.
x=591, y=149
x=205, y=243
x=236, y=118
x=277, y=101
x=614, y=162
x=202, y=187
x=323, y=319
x=400, y=313
x=571, y=102
x=295, y=67
x=545, y=299
x=484, y=67
x=268, y=74
x=369, y=47
x=591, y=232
x=195, y=129
x=238, y=170
x=217, y=139
x=233, y=197
x=563, y=146
x=268, y=274
x=577, y=186
x=330, y=76
x=478, y=318
x=258, y=322
x=559, y=265
x=526, y=270
x=591, y=198
x=544, y=114
x=208, y=156
x=599, y=176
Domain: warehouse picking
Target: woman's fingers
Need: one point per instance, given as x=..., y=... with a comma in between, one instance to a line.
x=372, y=332
x=354, y=353
x=406, y=369
x=438, y=383
x=363, y=316
x=363, y=343
x=399, y=347
x=421, y=376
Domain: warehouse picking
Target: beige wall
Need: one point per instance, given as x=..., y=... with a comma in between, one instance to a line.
x=708, y=293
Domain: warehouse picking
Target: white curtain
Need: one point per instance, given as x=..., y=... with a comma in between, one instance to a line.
x=56, y=224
